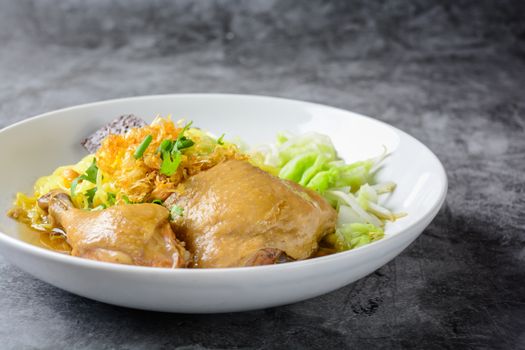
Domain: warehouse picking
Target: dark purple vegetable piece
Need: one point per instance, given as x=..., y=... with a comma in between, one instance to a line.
x=119, y=126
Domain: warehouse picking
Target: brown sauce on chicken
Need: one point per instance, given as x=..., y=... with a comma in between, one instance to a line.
x=233, y=214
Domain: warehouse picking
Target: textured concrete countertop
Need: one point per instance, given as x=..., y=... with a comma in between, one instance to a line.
x=452, y=75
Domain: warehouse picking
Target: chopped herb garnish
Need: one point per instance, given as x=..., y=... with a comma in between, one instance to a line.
x=165, y=146
x=142, y=147
x=170, y=162
x=111, y=198
x=90, y=175
x=183, y=143
x=220, y=140
x=170, y=152
x=156, y=201
x=126, y=200
x=175, y=212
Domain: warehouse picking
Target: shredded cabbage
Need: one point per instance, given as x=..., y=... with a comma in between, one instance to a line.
x=311, y=160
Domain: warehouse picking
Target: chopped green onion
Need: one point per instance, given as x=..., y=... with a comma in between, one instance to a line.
x=165, y=145
x=170, y=162
x=139, y=152
x=156, y=201
x=182, y=143
x=181, y=134
x=220, y=140
x=170, y=152
x=90, y=175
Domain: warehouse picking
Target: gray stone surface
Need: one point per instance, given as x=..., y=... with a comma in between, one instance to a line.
x=450, y=73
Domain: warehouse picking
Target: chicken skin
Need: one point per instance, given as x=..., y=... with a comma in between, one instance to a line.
x=235, y=214
x=135, y=234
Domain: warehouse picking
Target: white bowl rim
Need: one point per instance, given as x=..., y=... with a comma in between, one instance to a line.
x=332, y=258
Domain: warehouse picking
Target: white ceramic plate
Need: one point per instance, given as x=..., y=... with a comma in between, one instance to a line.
x=35, y=147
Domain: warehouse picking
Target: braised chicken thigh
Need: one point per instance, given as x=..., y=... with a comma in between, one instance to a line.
x=138, y=234
x=235, y=214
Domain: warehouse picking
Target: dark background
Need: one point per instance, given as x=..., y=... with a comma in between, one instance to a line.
x=451, y=73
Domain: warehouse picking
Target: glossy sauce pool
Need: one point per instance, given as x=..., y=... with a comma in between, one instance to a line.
x=43, y=239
